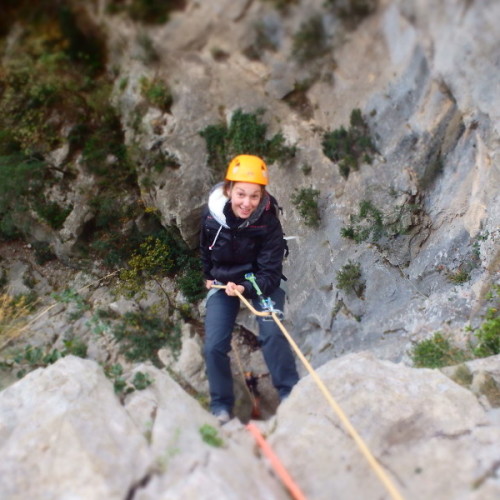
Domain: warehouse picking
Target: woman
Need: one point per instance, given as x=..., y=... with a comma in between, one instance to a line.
x=242, y=234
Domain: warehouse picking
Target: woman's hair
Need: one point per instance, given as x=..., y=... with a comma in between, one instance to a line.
x=229, y=184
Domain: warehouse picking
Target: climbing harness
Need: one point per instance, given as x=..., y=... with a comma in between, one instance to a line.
x=266, y=303
x=379, y=471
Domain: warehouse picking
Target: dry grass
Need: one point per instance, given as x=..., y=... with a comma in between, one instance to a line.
x=14, y=314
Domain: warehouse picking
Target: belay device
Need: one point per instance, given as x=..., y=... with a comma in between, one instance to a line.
x=266, y=303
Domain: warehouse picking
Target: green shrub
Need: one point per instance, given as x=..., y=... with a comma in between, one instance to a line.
x=141, y=380
x=352, y=12
x=311, y=40
x=244, y=135
x=306, y=169
x=349, y=147
x=459, y=277
x=349, y=279
x=52, y=212
x=20, y=177
x=71, y=297
x=306, y=200
x=437, y=352
x=52, y=80
x=210, y=435
x=37, y=357
x=283, y=5
x=157, y=93
x=367, y=224
x=191, y=282
x=488, y=334
x=115, y=374
x=141, y=335
x=43, y=252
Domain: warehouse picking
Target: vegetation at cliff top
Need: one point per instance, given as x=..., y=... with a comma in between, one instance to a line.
x=349, y=147
x=439, y=350
x=245, y=134
x=306, y=201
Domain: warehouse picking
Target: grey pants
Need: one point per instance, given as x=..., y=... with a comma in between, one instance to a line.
x=219, y=323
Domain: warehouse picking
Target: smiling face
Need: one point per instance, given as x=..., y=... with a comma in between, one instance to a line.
x=245, y=198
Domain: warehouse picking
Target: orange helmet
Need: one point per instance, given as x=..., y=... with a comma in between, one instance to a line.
x=247, y=168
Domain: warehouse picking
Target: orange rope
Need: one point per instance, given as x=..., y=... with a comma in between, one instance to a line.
x=276, y=463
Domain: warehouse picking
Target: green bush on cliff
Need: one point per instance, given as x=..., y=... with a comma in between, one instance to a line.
x=246, y=134
x=349, y=147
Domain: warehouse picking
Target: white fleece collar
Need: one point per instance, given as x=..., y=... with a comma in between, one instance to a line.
x=216, y=202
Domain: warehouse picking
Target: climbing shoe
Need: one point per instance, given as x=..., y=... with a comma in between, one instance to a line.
x=223, y=417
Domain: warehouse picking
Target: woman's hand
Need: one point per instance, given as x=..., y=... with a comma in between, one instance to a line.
x=209, y=284
x=231, y=289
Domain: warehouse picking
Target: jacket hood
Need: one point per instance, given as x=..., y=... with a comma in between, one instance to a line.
x=217, y=201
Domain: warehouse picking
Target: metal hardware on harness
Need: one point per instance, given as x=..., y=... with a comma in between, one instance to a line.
x=266, y=303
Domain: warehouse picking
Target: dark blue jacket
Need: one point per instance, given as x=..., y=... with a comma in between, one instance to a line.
x=254, y=245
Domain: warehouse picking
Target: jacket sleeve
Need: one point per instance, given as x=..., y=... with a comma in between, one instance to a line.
x=269, y=261
x=205, y=254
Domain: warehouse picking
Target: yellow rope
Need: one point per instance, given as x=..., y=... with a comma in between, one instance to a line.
x=384, y=478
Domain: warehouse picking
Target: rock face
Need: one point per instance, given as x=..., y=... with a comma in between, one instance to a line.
x=430, y=107
x=426, y=81
x=64, y=433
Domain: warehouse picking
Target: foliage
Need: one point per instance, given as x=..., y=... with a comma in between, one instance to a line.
x=106, y=234
x=142, y=334
x=122, y=385
x=20, y=176
x=14, y=312
x=52, y=212
x=157, y=93
x=306, y=169
x=100, y=322
x=245, y=135
x=349, y=147
x=51, y=82
x=368, y=223
x=191, y=282
x=141, y=380
x=157, y=160
x=488, y=334
x=349, y=279
x=283, y=5
x=43, y=252
x=310, y=41
x=153, y=259
x=210, y=435
x=306, y=200
x=72, y=297
x=459, y=277
x=146, y=11
x=162, y=253
x=352, y=12
x=436, y=352
x=36, y=357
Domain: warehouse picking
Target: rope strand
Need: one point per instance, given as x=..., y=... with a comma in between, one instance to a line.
x=379, y=471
